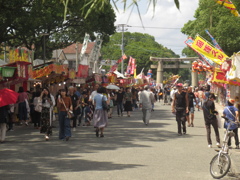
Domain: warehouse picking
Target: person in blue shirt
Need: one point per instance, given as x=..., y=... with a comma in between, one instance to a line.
x=231, y=113
x=100, y=116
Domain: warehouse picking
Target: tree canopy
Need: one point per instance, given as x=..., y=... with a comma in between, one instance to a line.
x=223, y=25
x=139, y=46
x=23, y=23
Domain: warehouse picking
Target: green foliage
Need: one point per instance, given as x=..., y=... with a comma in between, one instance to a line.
x=139, y=46
x=23, y=22
x=188, y=52
x=223, y=25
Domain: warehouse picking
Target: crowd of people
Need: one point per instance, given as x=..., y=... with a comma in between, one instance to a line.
x=74, y=107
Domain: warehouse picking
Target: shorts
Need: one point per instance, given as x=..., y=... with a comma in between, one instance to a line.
x=191, y=110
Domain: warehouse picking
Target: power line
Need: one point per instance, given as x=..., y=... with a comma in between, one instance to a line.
x=154, y=27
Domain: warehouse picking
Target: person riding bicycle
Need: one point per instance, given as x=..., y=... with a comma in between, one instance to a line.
x=231, y=113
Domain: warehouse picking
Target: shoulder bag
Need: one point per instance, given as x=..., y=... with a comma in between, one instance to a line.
x=104, y=104
x=38, y=106
x=70, y=114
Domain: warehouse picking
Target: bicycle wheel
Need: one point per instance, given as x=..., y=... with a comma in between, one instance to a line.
x=219, y=167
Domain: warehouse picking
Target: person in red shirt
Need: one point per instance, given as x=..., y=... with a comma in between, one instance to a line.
x=64, y=105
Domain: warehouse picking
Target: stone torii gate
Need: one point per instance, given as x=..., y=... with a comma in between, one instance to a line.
x=160, y=66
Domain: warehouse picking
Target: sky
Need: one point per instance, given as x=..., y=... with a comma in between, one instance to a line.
x=166, y=16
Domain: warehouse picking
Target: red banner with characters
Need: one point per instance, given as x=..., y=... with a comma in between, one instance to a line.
x=82, y=71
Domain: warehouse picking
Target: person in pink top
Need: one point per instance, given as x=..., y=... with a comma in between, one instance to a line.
x=22, y=106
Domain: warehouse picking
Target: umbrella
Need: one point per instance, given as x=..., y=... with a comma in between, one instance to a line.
x=7, y=96
x=112, y=86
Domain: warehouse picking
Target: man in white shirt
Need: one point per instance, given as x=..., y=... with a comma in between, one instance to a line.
x=91, y=97
x=146, y=100
x=173, y=91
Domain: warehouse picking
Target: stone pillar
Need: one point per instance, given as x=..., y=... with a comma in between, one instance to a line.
x=160, y=72
x=195, y=79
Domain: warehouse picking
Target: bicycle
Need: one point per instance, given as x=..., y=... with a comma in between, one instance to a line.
x=221, y=162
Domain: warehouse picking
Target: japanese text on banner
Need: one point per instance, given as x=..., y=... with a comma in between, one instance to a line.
x=205, y=48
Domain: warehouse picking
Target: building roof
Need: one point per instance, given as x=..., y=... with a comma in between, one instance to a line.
x=72, y=48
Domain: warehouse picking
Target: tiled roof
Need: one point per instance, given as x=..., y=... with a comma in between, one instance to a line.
x=71, y=49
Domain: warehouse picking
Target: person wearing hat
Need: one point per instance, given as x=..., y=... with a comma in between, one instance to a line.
x=146, y=100
x=231, y=113
x=210, y=118
x=180, y=108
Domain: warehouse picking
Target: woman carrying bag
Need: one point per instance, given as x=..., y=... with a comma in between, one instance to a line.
x=231, y=113
x=100, y=116
x=64, y=106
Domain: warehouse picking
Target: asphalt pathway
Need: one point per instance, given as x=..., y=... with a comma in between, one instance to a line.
x=129, y=151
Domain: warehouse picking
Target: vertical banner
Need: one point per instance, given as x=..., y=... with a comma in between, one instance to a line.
x=129, y=68
x=133, y=66
x=82, y=71
x=84, y=46
x=96, y=49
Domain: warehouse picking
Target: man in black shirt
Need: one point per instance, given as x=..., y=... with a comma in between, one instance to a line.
x=75, y=104
x=191, y=98
x=210, y=118
x=119, y=100
x=180, y=108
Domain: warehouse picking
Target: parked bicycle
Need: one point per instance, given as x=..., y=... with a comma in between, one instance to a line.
x=221, y=163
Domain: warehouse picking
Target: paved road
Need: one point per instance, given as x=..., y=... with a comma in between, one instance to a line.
x=129, y=151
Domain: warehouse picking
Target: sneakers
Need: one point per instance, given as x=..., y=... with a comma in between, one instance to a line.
x=218, y=145
x=210, y=146
x=179, y=134
x=74, y=129
x=46, y=138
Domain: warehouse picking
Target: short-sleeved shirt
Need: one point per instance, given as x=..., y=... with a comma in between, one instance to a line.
x=68, y=103
x=128, y=96
x=191, y=97
x=74, y=99
x=230, y=115
x=120, y=96
x=98, y=100
x=208, y=108
x=22, y=96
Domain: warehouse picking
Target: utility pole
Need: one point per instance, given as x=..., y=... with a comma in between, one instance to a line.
x=77, y=57
x=122, y=27
x=44, y=46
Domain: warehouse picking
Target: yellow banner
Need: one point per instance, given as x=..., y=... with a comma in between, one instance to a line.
x=205, y=48
x=228, y=4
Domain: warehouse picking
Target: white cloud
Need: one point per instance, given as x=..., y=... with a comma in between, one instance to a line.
x=166, y=15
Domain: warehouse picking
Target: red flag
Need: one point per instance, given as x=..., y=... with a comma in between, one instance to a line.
x=129, y=67
x=114, y=67
x=133, y=66
x=82, y=71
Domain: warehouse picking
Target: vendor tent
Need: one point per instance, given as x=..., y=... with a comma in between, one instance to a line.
x=37, y=62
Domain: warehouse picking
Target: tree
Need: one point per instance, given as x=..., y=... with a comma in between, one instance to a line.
x=139, y=46
x=24, y=21
x=223, y=25
x=99, y=5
